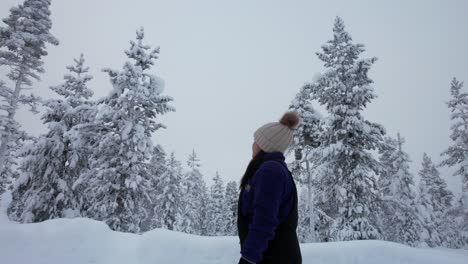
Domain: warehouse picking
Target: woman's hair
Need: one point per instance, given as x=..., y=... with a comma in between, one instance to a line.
x=253, y=166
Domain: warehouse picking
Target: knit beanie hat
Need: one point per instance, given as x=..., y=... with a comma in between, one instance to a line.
x=277, y=136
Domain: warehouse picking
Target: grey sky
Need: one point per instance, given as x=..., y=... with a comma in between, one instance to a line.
x=234, y=65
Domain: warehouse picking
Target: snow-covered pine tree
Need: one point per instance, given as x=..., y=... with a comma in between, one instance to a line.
x=348, y=166
x=194, y=189
x=217, y=208
x=204, y=220
x=82, y=111
x=434, y=199
x=400, y=218
x=231, y=197
x=118, y=183
x=156, y=167
x=457, y=154
x=52, y=164
x=452, y=228
x=169, y=201
x=387, y=157
x=396, y=180
x=305, y=163
x=23, y=41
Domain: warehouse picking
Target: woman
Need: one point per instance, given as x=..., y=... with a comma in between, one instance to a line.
x=267, y=209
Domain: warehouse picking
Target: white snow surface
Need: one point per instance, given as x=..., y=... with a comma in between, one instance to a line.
x=82, y=241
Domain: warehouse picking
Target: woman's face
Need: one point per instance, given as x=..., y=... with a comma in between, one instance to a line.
x=255, y=149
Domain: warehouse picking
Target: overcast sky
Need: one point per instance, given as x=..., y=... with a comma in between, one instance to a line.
x=232, y=66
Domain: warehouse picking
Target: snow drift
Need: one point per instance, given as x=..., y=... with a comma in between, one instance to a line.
x=81, y=241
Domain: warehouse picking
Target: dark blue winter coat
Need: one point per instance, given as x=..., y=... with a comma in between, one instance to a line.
x=265, y=203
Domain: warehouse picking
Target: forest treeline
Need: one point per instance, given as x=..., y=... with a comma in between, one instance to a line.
x=97, y=158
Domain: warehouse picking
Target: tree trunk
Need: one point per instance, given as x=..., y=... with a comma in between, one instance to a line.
x=309, y=206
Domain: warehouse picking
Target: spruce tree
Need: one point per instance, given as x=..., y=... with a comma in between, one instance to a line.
x=193, y=190
x=53, y=163
x=403, y=180
x=156, y=167
x=119, y=182
x=457, y=156
x=401, y=221
x=348, y=166
x=170, y=200
x=23, y=41
x=434, y=193
x=434, y=200
x=204, y=211
x=231, y=198
x=387, y=158
x=217, y=208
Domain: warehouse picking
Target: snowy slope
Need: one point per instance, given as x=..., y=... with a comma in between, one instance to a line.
x=81, y=241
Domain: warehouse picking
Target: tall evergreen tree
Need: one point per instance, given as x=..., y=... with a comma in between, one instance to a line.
x=401, y=222
x=434, y=193
x=204, y=211
x=217, y=208
x=231, y=196
x=403, y=180
x=170, y=199
x=53, y=163
x=156, y=168
x=434, y=200
x=194, y=188
x=457, y=155
x=23, y=42
x=348, y=167
x=118, y=183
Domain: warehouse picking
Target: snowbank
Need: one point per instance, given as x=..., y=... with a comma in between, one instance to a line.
x=82, y=241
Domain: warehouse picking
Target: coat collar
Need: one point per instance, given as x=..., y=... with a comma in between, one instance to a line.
x=274, y=156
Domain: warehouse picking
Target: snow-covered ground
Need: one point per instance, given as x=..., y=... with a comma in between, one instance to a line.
x=83, y=241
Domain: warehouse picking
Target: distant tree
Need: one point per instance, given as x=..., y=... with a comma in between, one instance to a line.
x=348, y=167
x=53, y=163
x=156, y=168
x=401, y=222
x=118, y=182
x=231, y=197
x=23, y=42
x=217, y=209
x=451, y=229
x=170, y=200
x=402, y=181
x=194, y=190
x=434, y=200
x=457, y=156
x=204, y=212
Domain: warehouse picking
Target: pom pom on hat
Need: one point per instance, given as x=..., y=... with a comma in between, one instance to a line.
x=290, y=119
